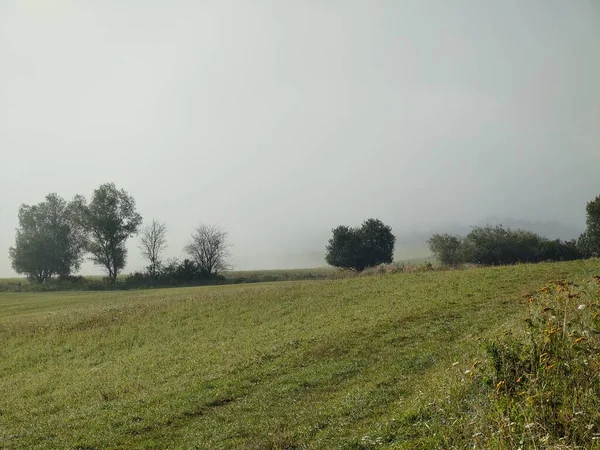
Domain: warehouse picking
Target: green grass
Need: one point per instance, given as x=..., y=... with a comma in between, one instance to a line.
x=346, y=363
x=232, y=276
x=13, y=280
x=282, y=274
x=317, y=273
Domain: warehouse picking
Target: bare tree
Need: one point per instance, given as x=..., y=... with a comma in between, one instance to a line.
x=152, y=244
x=209, y=248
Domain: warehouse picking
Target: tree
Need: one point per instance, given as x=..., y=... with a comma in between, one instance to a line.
x=49, y=241
x=109, y=219
x=593, y=213
x=343, y=249
x=358, y=248
x=377, y=243
x=496, y=245
x=590, y=240
x=446, y=248
x=209, y=249
x=557, y=250
x=586, y=245
x=152, y=244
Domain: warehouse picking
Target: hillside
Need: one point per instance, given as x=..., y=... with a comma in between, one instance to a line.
x=343, y=363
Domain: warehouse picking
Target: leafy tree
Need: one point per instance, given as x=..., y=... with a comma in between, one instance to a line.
x=358, y=248
x=446, y=248
x=109, y=219
x=491, y=245
x=593, y=214
x=49, y=241
x=557, y=250
x=586, y=245
x=152, y=244
x=590, y=240
x=344, y=248
x=497, y=245
x=209, y=249
x=377, y=242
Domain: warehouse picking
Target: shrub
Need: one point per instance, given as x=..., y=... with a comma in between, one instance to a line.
x=497, y=245
x=558, y=250
x=547, y=383
x=184, y=271
x=446, y=248
x=538, y=387
x=175, y=273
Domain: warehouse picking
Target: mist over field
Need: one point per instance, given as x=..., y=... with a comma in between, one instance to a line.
x=279, y=121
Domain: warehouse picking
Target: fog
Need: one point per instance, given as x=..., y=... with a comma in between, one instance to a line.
x=281, y=120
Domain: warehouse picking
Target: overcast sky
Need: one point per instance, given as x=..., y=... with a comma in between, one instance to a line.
x=279, y=120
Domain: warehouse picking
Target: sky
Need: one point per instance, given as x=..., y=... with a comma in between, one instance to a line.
x=279, y=121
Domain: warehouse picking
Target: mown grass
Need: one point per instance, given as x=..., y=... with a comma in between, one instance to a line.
x=347, y=363
x=254, y=276
x=245, y=276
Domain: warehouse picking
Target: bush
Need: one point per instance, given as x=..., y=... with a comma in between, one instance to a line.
x=175, y=273
x=546, y=382
x=558, y=250
x=497, y=245
x=185, y=271
x=538, y=387
x=446, y=248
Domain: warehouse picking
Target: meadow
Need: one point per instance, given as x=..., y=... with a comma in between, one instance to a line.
x=335, y=363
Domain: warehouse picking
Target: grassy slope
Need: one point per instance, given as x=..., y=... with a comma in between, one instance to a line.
x=319, y=364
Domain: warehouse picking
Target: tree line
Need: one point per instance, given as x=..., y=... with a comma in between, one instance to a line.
x=372, y=244
x=55, y=236
x=496, y=245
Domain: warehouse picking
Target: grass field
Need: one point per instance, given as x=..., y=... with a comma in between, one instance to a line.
x=344, y=363
x=266, y=275
x=317, y=273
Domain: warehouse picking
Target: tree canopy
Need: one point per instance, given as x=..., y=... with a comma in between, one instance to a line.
x=369, y=245
x=496, y=245
x=49, y=241
x=590, y=240
x=446, y=248
x=109, y=220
